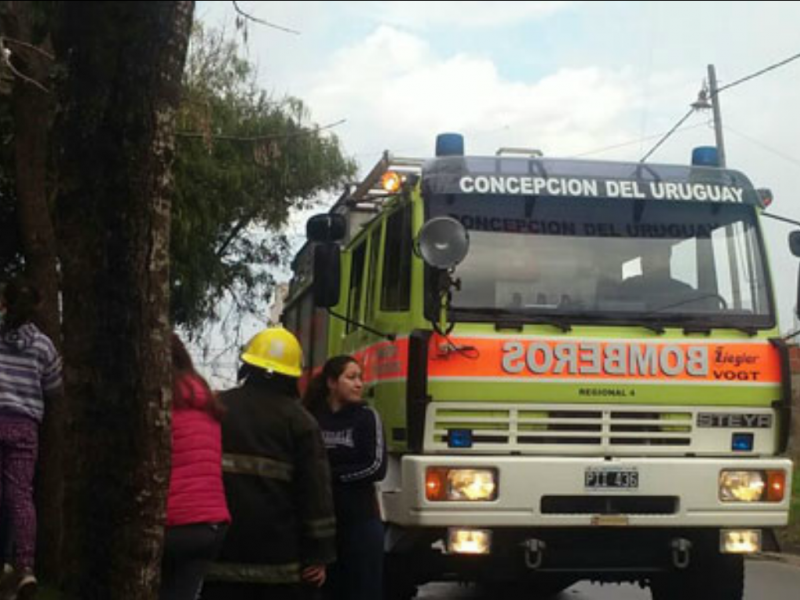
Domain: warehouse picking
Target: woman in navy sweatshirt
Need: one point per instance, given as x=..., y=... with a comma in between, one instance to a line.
x=353, y=435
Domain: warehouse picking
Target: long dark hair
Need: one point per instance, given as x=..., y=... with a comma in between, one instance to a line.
x=316, y=397
x=183, y=368
x=21, y=300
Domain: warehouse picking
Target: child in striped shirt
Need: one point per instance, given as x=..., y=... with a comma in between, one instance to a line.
x=30, y=372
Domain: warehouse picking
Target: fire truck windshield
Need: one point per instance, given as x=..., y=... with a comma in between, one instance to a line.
x=609, y=260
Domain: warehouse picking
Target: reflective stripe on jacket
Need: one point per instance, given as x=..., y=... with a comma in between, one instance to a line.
x=246, y=573
x=277, y=482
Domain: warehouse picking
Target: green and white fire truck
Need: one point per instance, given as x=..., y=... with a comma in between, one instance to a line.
x=577, y=363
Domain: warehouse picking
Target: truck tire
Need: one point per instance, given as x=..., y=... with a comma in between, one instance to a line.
x=718, y=578
x=539, y=590
x=404, y=593
x=397, y=585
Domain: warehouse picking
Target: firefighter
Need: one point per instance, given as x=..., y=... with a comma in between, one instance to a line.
x=277, y=482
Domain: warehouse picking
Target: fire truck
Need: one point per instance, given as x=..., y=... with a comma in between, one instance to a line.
x=577, y=364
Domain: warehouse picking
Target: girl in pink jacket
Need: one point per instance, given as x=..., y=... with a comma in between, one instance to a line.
x=197, y=513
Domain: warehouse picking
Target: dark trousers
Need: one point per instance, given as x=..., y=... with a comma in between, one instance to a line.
x=189, y=551
x=357, y=573
x=6, y=541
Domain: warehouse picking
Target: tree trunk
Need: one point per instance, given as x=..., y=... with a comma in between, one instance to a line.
x=32, y=109
x=115, y=128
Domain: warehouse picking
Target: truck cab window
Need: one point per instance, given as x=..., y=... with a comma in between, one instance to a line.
x=356, y=286
x=397, y=262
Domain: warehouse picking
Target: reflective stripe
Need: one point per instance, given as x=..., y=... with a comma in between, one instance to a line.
x=379, y=458
x=249, y=573
x=320, y=528
x=257, y=465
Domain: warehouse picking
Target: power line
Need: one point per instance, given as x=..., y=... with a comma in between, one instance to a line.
x=771, y=67
x=250, y=17
x=668, y=134
x=261, y=138
x=762, y=145
x=633, y=142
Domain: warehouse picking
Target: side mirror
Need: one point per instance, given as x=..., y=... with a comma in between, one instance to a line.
x=326, y=228
x=794, y=243
x=794, y=248
x=327, y=269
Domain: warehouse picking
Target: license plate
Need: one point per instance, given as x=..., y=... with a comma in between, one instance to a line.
x=611, y=478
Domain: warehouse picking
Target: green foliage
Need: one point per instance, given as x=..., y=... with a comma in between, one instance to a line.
x=244, y=161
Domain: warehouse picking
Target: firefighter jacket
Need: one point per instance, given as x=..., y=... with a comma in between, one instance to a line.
x=277, y=483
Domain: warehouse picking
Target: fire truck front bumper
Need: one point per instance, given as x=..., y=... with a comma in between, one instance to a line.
x=545, y=491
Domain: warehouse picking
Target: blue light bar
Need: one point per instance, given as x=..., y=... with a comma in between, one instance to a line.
x=449, y=144
x=742, y=442
x=459, y=438
x=705, y=156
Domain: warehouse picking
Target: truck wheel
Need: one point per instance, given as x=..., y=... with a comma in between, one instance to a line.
x=717, y=578
x=404, y=591
x=397, y=585
x=539, y=590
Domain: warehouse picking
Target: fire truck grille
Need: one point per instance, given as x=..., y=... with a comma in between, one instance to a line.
x=534, y=430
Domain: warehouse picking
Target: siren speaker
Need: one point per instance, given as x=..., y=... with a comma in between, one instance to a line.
x=443, y=242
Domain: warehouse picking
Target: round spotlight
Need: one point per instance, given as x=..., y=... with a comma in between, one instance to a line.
x=443, y=242
x=391, y=182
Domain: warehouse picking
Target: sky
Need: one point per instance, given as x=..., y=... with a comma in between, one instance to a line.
x=601, y=80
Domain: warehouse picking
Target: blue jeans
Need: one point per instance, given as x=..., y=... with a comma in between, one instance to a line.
x=357, y=573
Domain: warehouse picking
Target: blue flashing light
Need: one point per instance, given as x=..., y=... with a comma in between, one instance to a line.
x=449, y=144
x=459, y=438
x=705, y=156
x=742, y=442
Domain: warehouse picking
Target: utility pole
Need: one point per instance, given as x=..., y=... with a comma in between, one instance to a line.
x=714, y=96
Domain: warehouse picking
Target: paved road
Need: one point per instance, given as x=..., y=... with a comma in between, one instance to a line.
x=764, y=580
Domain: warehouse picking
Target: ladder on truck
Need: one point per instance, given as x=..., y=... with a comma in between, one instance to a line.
x=360, y=201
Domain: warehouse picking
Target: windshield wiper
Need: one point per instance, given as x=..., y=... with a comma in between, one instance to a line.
x=692, y=325
x=552, y=321
x=706, y=329
x=655, y=327
x=702, y=329
x=681, y=302
x=748, y=329
x=504, y=318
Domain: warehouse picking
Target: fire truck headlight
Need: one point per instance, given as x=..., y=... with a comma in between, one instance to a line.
x=752, y=486
x=742, y=486
x=465, y=485
x=471, y=484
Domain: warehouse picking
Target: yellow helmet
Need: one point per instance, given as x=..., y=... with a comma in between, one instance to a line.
x=275, y=349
